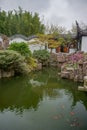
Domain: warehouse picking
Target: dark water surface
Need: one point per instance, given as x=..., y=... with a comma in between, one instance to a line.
x=42, y=101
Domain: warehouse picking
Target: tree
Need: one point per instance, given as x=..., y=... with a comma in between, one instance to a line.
x=24, y=50
x=11, y=60
x=42, y=56
x=73, y=29
x=20, y=22
x=49, y=39
x=21, y=48
x=82, y=25
x=55, y=30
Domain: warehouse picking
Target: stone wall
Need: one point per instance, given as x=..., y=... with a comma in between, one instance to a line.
x=6, y=74
x=58, y=59
x=75, y=70
x=84, y=87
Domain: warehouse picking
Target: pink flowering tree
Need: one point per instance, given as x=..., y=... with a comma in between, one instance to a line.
x=76, y=57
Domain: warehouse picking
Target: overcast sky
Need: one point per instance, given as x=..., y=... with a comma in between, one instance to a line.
x=58, y=12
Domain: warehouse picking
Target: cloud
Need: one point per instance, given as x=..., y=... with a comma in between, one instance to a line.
x=31, y=5
x=78, y=9
x=59, y=12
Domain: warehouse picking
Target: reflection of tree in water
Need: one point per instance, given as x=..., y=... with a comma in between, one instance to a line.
x=80, y=97
x=40, y=76
x=48, y=78
x=72, y=88
x=18, y=93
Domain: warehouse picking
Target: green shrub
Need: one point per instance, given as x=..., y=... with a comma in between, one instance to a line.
x=24, y=50
x=42, y=56
x=11, y=60
x=21, y=48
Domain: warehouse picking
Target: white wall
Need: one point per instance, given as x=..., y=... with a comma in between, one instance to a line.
x=84, y=44
x=17, y=40
x=72, y=50
x=36, y=47
x=32, y=46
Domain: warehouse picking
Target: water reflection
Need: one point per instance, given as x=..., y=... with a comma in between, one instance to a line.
x=36, y=83
x=20, y=93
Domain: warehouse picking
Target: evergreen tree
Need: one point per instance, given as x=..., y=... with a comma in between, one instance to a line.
x=20, y=22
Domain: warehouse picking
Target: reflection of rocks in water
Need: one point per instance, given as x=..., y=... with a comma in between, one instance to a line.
x=21, y=93
x=36, y=83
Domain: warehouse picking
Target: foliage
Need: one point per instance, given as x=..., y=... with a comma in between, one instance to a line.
x=54, y=41
x=20, y=22
x=49, y=39
x=74, y=27
x=21, y=48
x=24, y=50
x=76, y=58
x=43, y=37
x=11, y=60
x=31, y=62
x=42, y=55
x=62, y=41
x=55, y=30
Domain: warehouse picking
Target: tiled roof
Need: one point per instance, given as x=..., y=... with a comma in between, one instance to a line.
x=22, y=36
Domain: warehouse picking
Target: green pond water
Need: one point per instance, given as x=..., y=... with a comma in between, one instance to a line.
x=42, y=101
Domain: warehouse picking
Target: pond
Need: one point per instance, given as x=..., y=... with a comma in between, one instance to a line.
x=42, y=101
